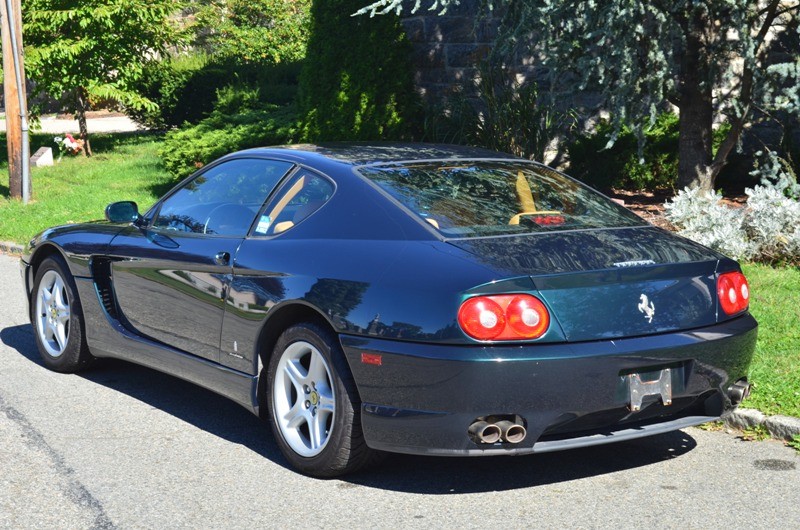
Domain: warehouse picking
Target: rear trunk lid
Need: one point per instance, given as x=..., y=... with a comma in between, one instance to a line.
x=610, y=283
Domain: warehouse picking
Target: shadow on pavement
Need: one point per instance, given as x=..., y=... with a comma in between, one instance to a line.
x=413, y=474
x=186, y=401
x=452, y=476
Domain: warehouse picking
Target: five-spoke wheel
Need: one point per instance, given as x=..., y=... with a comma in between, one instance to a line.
x=52, y=313
x=313, y=403
x=303, y=398
x=56, y=317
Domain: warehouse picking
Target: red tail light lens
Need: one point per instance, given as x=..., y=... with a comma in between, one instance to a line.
x=527, y=316
x=504, y=317
x=482, y=318
x=733, y=292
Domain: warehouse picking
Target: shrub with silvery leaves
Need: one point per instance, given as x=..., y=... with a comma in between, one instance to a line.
x=776, y=172
x=766, y=229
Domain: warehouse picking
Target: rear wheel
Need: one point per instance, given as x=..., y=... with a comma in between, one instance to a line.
x=57, y=318
x=313, y=404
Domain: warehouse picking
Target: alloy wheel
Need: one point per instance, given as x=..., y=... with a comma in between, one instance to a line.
x=303, y=399
x=53, y=313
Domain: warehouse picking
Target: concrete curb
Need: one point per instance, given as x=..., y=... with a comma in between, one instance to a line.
x=7, y=247
x=779, y=427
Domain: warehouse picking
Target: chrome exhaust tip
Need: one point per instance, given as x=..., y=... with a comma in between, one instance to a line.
x=483, y=432
x=739, y=391
x=512, y=433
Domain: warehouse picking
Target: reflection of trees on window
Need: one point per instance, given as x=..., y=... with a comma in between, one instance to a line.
x=490, y=198
x=180, y=223
x=245, y=183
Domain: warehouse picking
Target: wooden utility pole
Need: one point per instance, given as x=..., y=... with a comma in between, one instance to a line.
x=12, y=100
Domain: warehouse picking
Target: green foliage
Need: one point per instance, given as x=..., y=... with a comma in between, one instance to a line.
x=608, y=159
x=85, y=51
x=620, y=166
x=240, y=120
x=247, y=32
x=758, y=433
x=794, y=442
x=506, y=116
x=356, y=82
x=183, y=87
x=775, y=371
x=181, y=92
x=716, y=60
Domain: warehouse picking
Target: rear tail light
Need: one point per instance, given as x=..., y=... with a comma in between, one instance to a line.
x=504, y=317
x=733, y=292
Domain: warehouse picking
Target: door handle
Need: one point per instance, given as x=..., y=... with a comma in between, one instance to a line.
x=222, y=258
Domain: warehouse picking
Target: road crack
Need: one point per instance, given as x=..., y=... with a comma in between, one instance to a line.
x=74, y=490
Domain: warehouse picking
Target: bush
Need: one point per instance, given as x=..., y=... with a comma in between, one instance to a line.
x=240, y=120
x=180, y=88
x=777, y=172
x=506, y=116
x=767, y=229
x=357, y=81
x=623, y=164
x=185, y=88
x=619, y=166
x=254, y=32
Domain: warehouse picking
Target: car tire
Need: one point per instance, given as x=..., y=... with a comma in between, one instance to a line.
x=313, y=405
x=57, y=318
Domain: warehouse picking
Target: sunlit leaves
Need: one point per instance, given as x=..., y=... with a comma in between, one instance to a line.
x=96, y=46
x=254, y=31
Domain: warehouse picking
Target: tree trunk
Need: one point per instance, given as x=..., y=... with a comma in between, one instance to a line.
x=696, y=111
x=83, y=106
x=695, y=143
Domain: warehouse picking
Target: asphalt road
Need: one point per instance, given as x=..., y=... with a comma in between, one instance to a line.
x=125, y=447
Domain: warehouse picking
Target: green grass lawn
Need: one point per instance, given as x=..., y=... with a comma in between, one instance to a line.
x=125, y=167
x=775, y=371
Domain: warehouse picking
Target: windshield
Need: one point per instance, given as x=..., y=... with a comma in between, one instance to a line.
x=487, y=198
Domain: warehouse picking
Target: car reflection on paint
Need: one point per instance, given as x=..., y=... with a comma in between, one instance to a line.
x=402, y=298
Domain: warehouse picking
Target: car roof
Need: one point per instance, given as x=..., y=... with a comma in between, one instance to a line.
x=357, y=154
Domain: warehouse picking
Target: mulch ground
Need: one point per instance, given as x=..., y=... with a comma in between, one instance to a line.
x=650, y=205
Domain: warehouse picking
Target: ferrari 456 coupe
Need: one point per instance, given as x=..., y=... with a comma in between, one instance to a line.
x=419, y=299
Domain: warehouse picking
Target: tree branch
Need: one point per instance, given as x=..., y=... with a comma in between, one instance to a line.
x=746, y=93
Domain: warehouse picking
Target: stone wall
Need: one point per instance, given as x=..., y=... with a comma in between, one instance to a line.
x=447, y=48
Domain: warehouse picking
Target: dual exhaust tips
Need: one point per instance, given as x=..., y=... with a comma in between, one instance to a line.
x=489, y=432
x=739, y=391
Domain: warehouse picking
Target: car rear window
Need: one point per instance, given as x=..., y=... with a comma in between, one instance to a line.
x=487, y=198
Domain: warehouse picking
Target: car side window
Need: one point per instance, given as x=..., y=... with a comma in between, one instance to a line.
x=223, y=200
x=303, y=195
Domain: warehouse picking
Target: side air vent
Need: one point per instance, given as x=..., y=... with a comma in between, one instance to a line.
x=101, y=270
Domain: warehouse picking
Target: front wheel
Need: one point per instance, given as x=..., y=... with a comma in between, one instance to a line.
x=313, y=404
x=56, y=318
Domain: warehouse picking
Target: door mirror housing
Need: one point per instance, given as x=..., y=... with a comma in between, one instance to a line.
x=123, y=212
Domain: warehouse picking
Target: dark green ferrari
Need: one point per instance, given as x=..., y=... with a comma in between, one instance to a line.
x=402, y=298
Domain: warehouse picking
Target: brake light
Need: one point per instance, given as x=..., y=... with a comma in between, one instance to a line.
x=504, y=317
x=733, y=292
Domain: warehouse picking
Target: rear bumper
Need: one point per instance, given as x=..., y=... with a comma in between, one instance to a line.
x=422, y=398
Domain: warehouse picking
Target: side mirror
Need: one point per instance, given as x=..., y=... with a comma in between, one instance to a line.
x=122, y=212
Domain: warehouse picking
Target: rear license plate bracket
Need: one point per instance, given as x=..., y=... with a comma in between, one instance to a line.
x=658, y=383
